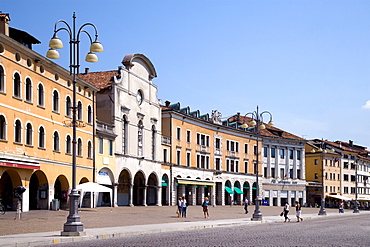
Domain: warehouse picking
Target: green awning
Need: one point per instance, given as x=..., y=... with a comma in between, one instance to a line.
x=246, y=188
x=229, y=190
x=237, y=190
x=254, y=188
x=164, y=184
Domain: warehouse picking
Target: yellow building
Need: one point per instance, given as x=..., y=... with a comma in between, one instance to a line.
x=202, y=157
x=35, y=124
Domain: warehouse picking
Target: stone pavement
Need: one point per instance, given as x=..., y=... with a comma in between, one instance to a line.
x=42, y=227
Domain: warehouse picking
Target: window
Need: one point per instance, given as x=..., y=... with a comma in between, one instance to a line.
x=89, y=150
x=316, y=162
x=265, y=172
x=40, y=95
x=125, y=136
x=298, y=154
x=178, y=133
x=110, y=148
x=345, y=156
x=68, y=107
x=265, y=152
x=282, y=153
x=345, y=189
x=17, y=86
x=2, y=127
x=353, y=178
x=236, y=166
x=165, y=155
x=56, y=141
x=18, y=131
x=316, y=176
x=2, y=80
x=188, y=136
x=188, y=159
x=68, y=145
x=338, y=176
x=345, y=165
x=89, y=114
x=353, y=166
x=218, y=164
x=345, y=177
x=28, y=90
x=245, y=166
x=178, y=157
x=291, y=173
x=353, y=190
x=298, y=173
x=227, y=165
x=140, y=139
x=282, y=174
x=255, y=151
x=79, y=147
x=291, y=154
x=202, y=140
x=273, y=172
x=272, y=152
x=29, y=133
x=55, y=101
x=41, y=137
x=153, y=142
x=218, y=143
x=246, y=148
x=79, y=111
x=202, y=161
x=100, y=145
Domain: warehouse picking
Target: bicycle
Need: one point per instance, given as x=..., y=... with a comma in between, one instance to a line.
x=2, y=208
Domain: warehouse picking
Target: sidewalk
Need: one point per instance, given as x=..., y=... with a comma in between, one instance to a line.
x=43, y=227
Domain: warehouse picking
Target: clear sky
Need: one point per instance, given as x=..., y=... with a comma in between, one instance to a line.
x=307, y=62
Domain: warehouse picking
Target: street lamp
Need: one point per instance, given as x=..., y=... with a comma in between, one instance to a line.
x=323, y=151
x=73, y=226
x=355, y=209
x=257, y=124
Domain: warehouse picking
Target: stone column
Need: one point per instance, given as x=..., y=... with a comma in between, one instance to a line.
x=144, y=195
x=131, y=195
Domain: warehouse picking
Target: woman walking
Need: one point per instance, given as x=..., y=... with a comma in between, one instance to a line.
x=286, y=212
x=183, y=207
x=298, y=211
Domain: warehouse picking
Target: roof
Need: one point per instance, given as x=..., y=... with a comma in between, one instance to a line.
x=22, y=36
x=101, y=79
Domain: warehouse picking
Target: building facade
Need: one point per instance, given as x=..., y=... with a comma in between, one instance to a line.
x=128, y=101
x=35, y=124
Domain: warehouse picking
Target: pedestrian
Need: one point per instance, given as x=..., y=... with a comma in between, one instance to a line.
x=298, y=211
x=246, y=202
x=183, y=207
x=341, y=208
x=205, y=207
x=179, y=207
x=286, y=212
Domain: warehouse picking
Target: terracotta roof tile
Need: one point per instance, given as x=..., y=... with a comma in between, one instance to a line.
x=99, y=79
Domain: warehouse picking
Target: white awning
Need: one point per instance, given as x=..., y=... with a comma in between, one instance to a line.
x=340, y=197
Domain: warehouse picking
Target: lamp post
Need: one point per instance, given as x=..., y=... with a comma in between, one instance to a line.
x=322, y=149
x=73, y=226
x=257, y=124
x=355, y=209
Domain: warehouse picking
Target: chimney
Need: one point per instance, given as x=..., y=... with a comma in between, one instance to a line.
x=87, y=70
x=167, y=103
x=4, y=23
x=350, y=143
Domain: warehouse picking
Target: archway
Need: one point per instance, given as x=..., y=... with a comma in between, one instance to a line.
x=228, y=193
x=139, y=188
x=39, y=191
x=165, y=190
x=151, y=193
x=254, y=192
x=246, y=190
x=83, y=180
x=9, y=180
x=61, y=187
x=123, y=188
x=238, y=195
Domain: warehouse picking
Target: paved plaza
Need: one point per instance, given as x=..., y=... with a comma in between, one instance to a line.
x=43, y=227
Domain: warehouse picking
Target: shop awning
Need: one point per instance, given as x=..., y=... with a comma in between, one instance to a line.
x=340, y=197
x=237, y=190
x=20, y=164
x=229, y=190
x=164, y=184
x=362, y=198
x=196, y=182
x=246, y=188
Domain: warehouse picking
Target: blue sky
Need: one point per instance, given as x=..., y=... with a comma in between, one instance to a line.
x=307, y=62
